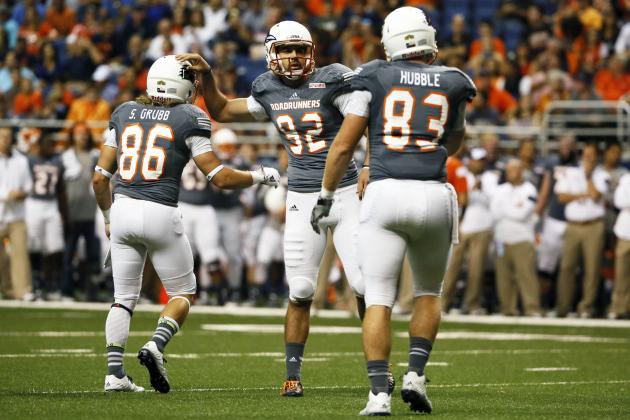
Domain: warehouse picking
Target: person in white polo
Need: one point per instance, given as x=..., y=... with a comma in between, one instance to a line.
x=475, y=232
x=583, y=190
x=513, y=204
x=620, y=304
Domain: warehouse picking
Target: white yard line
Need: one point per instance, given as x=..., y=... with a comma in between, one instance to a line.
x=326, y=313
x=333, y=387
x=403, y=364
x=550, y=369
x=53, y=334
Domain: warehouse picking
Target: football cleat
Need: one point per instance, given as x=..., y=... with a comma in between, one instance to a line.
x=114, y=384
x=151, y=358
x=378, y=405
x=391, y=381
x=414, y=392
x=292, y=388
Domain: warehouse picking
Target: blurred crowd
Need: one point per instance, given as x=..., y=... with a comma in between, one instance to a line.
x=76, y=60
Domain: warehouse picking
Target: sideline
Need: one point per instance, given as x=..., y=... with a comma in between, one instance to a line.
x=329, y=313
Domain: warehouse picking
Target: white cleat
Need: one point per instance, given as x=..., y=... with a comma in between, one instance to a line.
x=378, y=405
x=114, y=384
x=151, y=358
x=414, y=392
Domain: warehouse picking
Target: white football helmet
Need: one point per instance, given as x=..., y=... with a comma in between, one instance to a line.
x=170, y=81
x=407, y=33
x=289, y=32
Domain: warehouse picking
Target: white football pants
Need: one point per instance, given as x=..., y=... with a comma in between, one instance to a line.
x=303, y=248
x=138, y=228
x=405, y=216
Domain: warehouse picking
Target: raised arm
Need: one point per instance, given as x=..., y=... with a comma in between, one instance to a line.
x=221, y=108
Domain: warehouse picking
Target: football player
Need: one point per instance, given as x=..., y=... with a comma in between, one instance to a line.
x=45, y=207
x=307, y=106
x=151, y=140
x=415, y=114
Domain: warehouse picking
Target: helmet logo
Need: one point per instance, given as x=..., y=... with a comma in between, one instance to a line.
x=410, y=41
x=270, y=38
x=161, y=83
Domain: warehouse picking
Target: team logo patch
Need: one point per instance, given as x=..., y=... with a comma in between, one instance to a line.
x=317, y=85
x=410, y=41
x=294, y=96
x=294, y=208
x=161, y=83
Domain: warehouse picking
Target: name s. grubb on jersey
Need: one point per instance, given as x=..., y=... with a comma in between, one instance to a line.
x=419, y=79
x=151, y=114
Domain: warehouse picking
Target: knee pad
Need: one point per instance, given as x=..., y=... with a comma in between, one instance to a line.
x=126, y=302
x=301, y=289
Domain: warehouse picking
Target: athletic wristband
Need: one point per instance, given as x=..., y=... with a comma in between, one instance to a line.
x=328, y=195
x=365, y=167
x=214, y=172
x=106, y=216
x=103, y=172
x=257, y=176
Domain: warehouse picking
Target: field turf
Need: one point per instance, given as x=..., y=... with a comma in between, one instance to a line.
x=52, y=365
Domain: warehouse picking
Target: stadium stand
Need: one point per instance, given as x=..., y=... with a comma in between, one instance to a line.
x=553, y=74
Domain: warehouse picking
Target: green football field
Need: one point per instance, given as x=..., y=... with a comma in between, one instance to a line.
x=52, y=365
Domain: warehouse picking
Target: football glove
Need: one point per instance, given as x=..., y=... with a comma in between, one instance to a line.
x=321, y=210
x=266, y=176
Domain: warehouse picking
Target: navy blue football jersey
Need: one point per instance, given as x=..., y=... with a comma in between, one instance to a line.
x=47, y=174
x=308, y=122
x=152, y=149
x=412, y=106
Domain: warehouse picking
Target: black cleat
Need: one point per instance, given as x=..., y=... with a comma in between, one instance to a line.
x=151, y=358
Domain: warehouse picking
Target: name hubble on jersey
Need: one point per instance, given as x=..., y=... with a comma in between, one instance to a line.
x=419, y=79
x=282, y=106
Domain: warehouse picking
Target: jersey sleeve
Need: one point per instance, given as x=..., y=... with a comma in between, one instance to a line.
x=361, y=79
x=200, y=123
x=256, y=109
x=338, y=78
x=260, y=84
x=198, y=145
x=356, y=103
x=464, y=87
x=110, y=138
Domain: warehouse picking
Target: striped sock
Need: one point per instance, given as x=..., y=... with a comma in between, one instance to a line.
x=166, y=329
x=419, y=351
x=378, y=372
x=115, y=360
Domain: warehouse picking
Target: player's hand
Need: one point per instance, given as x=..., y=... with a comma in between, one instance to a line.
x=197, y=62
x=266, y=176
x=364, y=179
x=107, y=230
x=321, y=210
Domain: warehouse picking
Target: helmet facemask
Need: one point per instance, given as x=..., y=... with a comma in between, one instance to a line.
x=291, y=59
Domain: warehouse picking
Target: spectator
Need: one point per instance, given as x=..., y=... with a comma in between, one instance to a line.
x=620, y=304
x=166, y=34
x=480, y=113
x=197, y=33
x=456, y=45
x=498, y=99
x=90, y=107
x=533, y=168
x=28, y=102
x=456, y=176
x=15, y=184
x=79, y=162
x=613, y=82
x=475, y=232
x=487, y=43
x=60, y=17
x=512, y=207
x=81, y=58
x=622, y=44
x=48, y=68
x=215, y=16
x=582, y=189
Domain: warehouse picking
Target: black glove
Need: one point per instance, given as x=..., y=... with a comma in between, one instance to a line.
x=321, y=210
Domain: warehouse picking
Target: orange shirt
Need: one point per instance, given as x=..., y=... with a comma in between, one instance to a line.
x=497, y=46
x=62, y=21
x=25, y=103
x=611, y=87
x=500, y=99
x=84, y=110
x=456, y=174
x=316, y=7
